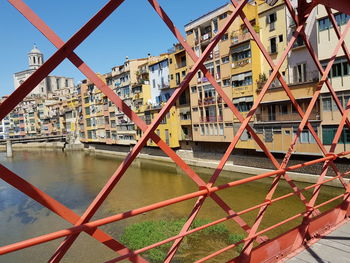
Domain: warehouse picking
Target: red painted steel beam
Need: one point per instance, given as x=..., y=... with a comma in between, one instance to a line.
x=29, y=84
x=340, y=5
x=301, y=113
x=220, y=91
x=38, y=23
x=135, y=151
x=314, y=57
x=138, y=211
x=53, y=205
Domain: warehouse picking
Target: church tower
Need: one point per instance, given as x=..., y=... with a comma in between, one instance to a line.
x=35, y=58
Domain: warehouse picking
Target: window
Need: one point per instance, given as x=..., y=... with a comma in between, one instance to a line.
x=202, y=129
x=177, y=77
x=325, y=23
x=280, y=37
x=222, y=16
x=243, y=79
x=224, y=37
x=87, y=110
x=270, y=20
x=273, y=45
x=328, y=133
x=221, y=129
x=336, y=70
x=225, y=60
x=327, y=105
x=171, y=61
x=189, y=32
x=193, y=89
x=299, y=42
x=153, y=83
x=226, y=82
x=241, y=52
x=299, y=73
x=284, y=109
x=215, y=24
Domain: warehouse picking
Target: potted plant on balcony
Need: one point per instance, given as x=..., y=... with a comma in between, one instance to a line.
x=261, y=82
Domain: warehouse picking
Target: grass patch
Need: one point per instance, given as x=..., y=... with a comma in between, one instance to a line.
x=142, y=234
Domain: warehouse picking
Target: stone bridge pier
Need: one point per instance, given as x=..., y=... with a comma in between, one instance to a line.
x=9, y=152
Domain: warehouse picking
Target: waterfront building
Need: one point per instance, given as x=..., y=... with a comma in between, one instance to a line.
x=123, y=77
x=244, y=60
x=161, y=91
x=4, y=124
x=277, y=119
x=212, y=124
x=235, y=65
x=339, y=77
x=178, y=71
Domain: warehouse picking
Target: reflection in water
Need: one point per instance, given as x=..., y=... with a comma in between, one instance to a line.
x=76, y=178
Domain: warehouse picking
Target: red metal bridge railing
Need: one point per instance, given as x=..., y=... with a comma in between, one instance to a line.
x=313, y=222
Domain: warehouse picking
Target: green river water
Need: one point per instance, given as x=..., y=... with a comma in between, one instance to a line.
x=75, y=178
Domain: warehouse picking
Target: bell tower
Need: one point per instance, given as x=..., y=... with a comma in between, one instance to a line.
x=35, y=58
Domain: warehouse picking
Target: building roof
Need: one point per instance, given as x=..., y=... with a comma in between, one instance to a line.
x=35, y=50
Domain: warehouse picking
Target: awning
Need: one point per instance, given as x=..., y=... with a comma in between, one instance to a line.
x=241, y=76
x=243, y=99
x=241, y=48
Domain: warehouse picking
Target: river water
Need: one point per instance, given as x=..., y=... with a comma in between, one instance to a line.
x=75, y=179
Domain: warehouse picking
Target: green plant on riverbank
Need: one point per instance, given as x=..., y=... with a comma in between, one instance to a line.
x=142, y=234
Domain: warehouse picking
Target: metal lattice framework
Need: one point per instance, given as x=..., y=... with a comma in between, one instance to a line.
x=313, y=222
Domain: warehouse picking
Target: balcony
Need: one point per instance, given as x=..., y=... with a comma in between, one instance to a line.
x=209, y=119
x=206, y=37
x=239, y=37
x=311, y=76
x=206, y=101
x=241, y=63
x=186, y=137
x=181, y=65
x=164, y=86
x=291, y=117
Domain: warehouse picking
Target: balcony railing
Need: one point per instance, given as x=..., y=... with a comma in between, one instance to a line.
x=209, y=119
x=164, y=86
x=278, y=117
x=241, y=63
x=311, y=76
x=206, y=101
x=239, y=37
x=181, y=65
x=206, y=37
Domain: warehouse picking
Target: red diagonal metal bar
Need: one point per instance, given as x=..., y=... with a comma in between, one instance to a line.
x=221, y=220
x=248, y=247
x=53, y=205
x=134, y=152
x=34, y=19
x=138, y=211
x=308, y=44
x=338, y=33
x=340, y=5
x=283, y=82
x=29, y=84
x=191, y=53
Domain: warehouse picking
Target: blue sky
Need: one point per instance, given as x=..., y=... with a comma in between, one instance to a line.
x=133, y=30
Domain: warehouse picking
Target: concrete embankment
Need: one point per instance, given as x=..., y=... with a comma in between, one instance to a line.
x=248, y=163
